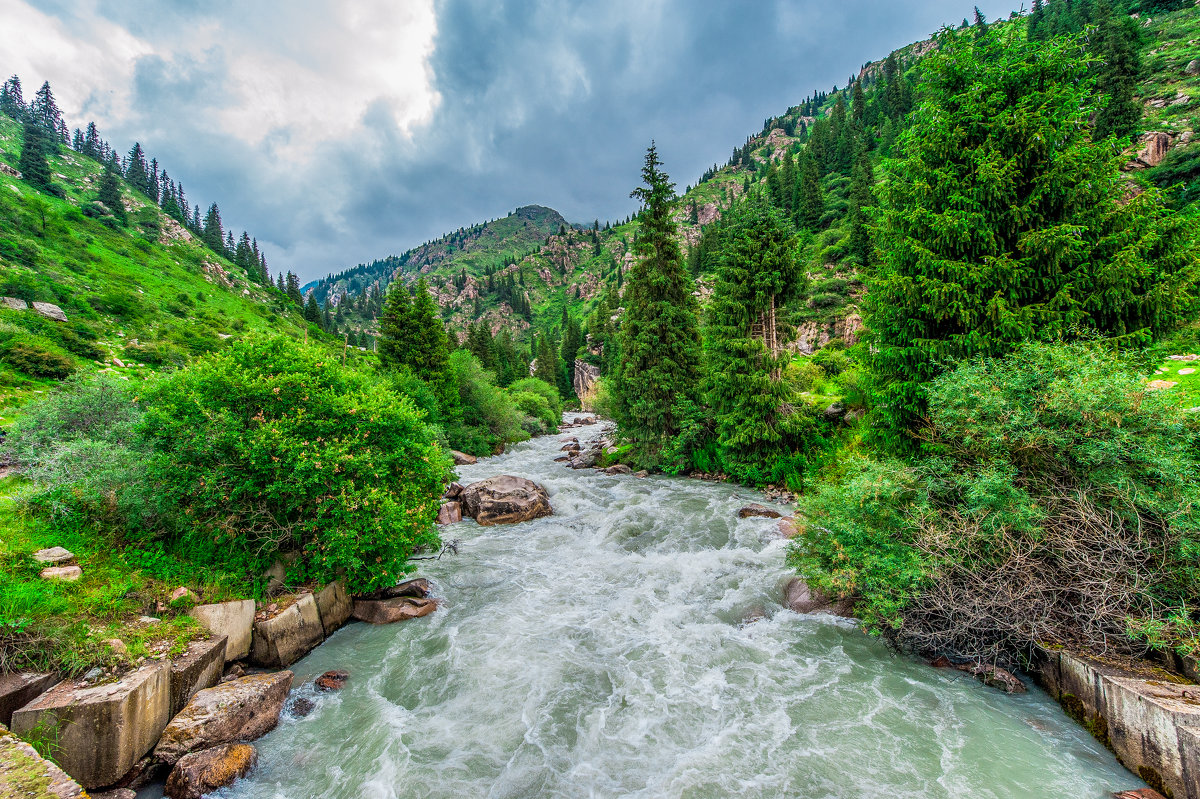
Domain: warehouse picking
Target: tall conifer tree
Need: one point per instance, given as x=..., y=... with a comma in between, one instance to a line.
x=659, y=347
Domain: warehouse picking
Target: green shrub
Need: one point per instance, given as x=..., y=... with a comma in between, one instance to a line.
x=36, y=356
x=124, y=304
x=487, y=415
x=156, y=353
x=537, y=409
x=270, y=447
x=1054, y=503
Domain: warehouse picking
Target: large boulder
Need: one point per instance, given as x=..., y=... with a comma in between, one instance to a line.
x=505, y=500
x=19, y=689
x=388, y=611
x=289, y=635
x=334, y=606
x=201, y=773
x=240, y=710
x=417, y=587
x=101, y=729
x=198, y=668
x=24, y=774
x=234, y=620
x=50, y=311
x=462, y=458
x=449, y=513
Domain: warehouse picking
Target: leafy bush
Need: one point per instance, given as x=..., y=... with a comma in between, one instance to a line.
x=488, y=417
x=124, y=304
x=270, y=448
x=544, y=389
x=155, y=353
x=36, y=356
x=1054, y=503
x=79, y=448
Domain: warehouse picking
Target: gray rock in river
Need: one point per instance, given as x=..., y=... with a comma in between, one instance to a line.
x=505, y=500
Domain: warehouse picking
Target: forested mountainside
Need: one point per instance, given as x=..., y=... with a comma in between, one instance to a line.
x=141, y=284
x=532, y=273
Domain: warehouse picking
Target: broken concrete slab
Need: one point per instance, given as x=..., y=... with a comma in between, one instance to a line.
x=233, y=620
x=102, y=730
x=334, y=606
x=18, y=690
x=289, y=636
x=198, y=668
x=26, y=774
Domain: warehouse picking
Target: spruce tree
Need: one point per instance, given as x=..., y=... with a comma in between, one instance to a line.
x=810, y=199
x=659, y=340
x=1005, y=220
x=12, y=102
x=1117, y=72
x=744, y=335
x=431, y=347
x=862, y=196
x=312, y=311
x=44, y=111
x=213, y=234
x=34, y=149
x=109, y=193
x=395, y=326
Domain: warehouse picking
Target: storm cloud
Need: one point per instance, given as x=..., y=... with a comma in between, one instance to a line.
x=341, y=132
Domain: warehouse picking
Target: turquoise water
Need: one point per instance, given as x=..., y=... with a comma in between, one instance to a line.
x=604, y=652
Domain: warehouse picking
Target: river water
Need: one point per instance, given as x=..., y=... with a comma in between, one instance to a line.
x=604, y=652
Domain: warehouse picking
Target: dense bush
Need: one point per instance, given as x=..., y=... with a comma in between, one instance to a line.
x=271, y=447
x=488, y=417
x=79, y=447
x=34, y=355
x=1055, y=503
x=538, y=400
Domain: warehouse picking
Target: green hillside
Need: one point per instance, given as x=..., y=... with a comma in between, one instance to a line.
x=137, y=298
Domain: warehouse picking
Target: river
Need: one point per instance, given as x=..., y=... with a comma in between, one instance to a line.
x=604, y=652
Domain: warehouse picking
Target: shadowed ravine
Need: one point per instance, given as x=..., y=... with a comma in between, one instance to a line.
x=601, y=653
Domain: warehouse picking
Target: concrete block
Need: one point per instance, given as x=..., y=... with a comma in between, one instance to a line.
x=234, y=620
x=18, y=690
x=334, y=606
x=289, y=636
x=198, y=668
x=1145, y=718
x=26, y=774
x=102, y=730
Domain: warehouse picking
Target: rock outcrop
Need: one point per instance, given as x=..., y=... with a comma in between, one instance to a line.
x=241, y=710
x=462, y=458
x=103, y=729
x=201, y=773
x=505, y=500
x=584, y=381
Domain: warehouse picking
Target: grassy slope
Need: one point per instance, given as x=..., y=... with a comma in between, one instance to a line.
x=138, y=301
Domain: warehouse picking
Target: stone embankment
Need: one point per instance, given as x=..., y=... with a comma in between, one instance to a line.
x=189, y=718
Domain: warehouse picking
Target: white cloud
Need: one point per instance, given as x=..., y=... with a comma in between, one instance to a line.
x=289, y=87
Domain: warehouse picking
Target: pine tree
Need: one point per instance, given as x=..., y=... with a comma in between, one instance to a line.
x=292, y=289
x=757, y=275
x=312, y=311
x=1117, y=73
x=810, y=199
x=862, y=183
x=659, y=341
x=1005, y=220
x=34, y=149
x=44, y=111
x=546, y=369
x=213, y=234
x=137, y=173
x=12, y=102
x=431, y=349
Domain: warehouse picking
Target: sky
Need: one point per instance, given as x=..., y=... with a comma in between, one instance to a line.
x=338, y=132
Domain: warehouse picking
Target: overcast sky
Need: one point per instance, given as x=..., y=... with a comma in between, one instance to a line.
x=340, y=131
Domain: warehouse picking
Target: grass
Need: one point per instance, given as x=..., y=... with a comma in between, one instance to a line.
x=48, y=625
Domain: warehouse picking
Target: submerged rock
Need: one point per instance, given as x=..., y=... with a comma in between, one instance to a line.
x=619, y=468
x=754, y=509
x=449, y=513
x=241, y=710
x=332, y=680
x=417, y=587
x=799, y=597
x=505, y=500
x=987, y=674
x=201, y=773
